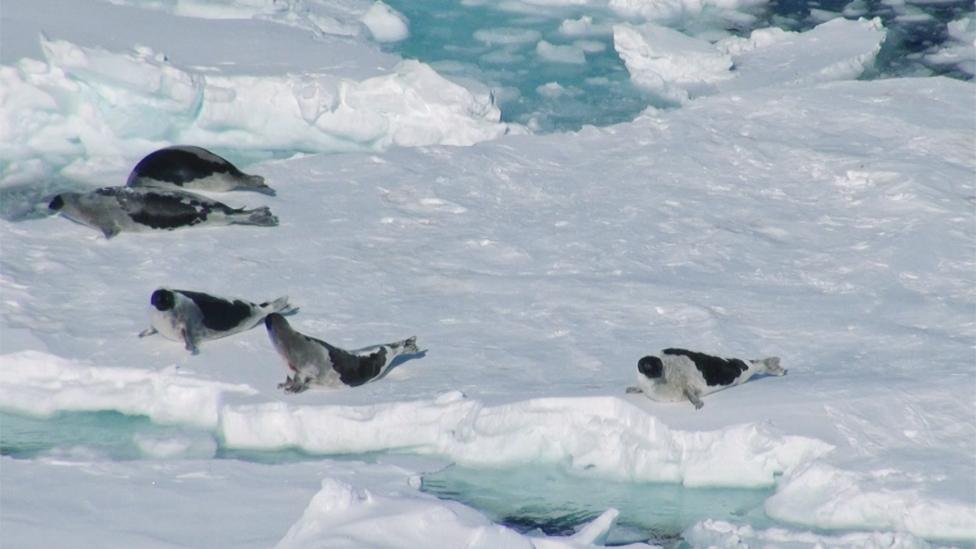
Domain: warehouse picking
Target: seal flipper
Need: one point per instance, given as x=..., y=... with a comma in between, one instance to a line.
x=148, y=332
x=695, y=398
x=261, y=217
x=109, y=230
x=770, y=366
x=280, y=306
x=256, y=183
x=190, y=340
x=292, y=385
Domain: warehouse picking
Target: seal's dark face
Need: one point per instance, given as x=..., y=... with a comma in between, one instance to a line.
x=56, y=204
x=163, y=300
x=651, y=366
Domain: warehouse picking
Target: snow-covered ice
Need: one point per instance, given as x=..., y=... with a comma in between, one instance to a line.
x=783, y=205
x=42, y=384
x=676, y=68
x=85, y=102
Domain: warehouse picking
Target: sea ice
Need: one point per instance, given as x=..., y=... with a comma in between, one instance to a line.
x=93, y=103
x=342, y=515
x=583, y=27
x=670, y=65
x=822, y=496
x=678, y=12
x=789, y=209
x=506, y=36
x=41, y=384
x=675, y=67
x=385, y=24
x=720, y=534
x=556, y=53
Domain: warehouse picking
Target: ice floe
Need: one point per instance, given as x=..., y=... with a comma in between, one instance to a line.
x=342, y=515
x=88, y=103
x=787, y=207
x=41, y=384
x=676, y=68
x=720, y=534
x=385, y=24
x=605, y=437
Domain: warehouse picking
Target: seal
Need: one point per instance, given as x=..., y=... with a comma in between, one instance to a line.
x=194, y=168
x=116, y=209
x=313, y=361
x=680, y=374
x=192, y=317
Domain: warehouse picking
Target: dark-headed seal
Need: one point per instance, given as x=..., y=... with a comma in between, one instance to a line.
x=115, y=209
x=192, y=317
x=193, y=168
x=312, y=361
x=680, y=374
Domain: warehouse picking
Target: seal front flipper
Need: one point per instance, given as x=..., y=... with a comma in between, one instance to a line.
x=190, y=340
x=292, y=385
x=110, y=231
x=693, y=396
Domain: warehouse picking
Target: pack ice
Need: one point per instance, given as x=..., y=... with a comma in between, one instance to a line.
x=781, y=208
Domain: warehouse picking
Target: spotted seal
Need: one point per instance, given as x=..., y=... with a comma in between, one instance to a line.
x=115, y=209
x=189, y=167
x=680, y=374
x=313, y=361
x=192, y=317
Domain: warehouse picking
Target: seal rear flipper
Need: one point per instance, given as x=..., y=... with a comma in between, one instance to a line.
x=772, y=366
x=261, y=217
x=256, y=183
x=406, y=347
x=280, y=306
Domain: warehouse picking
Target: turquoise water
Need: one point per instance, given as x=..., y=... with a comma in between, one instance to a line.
x=498, y=49
x=104, y=435
x=463, y=40
x=120, y=437
x=527, y=498
x=549, y=499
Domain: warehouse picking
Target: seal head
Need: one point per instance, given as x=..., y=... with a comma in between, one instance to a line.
x=163, y=300
x=651, y=366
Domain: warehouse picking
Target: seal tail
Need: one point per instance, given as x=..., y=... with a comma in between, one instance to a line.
x=261, y=217
x=256, y=183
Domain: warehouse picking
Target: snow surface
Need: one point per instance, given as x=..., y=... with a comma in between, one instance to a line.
x=788, y=210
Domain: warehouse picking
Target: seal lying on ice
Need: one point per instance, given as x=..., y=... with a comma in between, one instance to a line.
x=679, y=374
x=192, y=317
x=115, y=209
x=193, y=168
x=312, y=361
